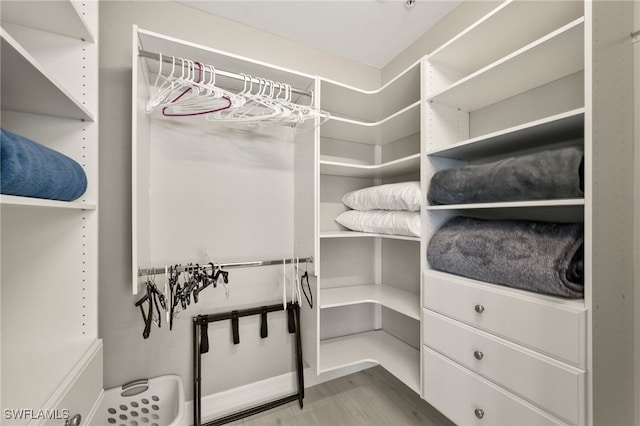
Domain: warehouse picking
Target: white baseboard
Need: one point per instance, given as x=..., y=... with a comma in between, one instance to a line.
x=223, y=403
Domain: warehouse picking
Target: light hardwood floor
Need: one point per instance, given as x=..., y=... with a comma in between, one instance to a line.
x=370, y=397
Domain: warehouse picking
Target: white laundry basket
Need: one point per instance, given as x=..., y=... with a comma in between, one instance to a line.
x=148, y=402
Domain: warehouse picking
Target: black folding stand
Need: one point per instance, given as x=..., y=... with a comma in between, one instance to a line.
x=201, y=345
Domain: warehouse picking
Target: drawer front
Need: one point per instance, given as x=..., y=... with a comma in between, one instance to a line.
x=468, y=399
x=552, y=327
x=552, y=385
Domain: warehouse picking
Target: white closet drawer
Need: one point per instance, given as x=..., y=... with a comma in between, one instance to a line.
x=468, y=399
x=550, y=384
x=553, y=326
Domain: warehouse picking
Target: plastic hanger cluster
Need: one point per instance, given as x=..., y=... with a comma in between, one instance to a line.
x=189, y=88
x=183, y=285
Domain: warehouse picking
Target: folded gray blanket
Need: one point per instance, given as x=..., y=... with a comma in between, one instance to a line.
x=552, y=174
x=541, y=257
x=30, y=169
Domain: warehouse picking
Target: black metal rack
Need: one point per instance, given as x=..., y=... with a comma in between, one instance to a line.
x=201, y=345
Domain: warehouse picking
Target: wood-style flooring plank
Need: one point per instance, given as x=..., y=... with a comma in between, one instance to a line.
x=371, y=397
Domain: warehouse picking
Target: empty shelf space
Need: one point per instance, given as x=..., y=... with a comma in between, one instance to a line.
x=524, y=22
x=401, y=124
x=27, y=87
x=400, y=359
x=398, y=167
x=13, y=200
x=511, y=204
x=520, y=71
x=538, y=133
x=355, y=234
x=68, y=21
x=399, y=300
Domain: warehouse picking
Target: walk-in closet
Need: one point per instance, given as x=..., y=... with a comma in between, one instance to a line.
x=428, y=216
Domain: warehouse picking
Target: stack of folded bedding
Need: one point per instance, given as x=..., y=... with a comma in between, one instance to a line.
x=29, y=169
x=551, y=174
x=384, y=209
x=541, y=257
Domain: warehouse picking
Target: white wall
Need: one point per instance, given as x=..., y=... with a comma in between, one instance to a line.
x=126, y=355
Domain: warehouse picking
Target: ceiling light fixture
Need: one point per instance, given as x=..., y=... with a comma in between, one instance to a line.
x=409, y=4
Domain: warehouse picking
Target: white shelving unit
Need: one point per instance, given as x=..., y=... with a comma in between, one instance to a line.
x=366, y=314
x=378, y=347
x=399, y=167
x=382, y=294
x=51, y=354
x=495, y=82
x=355, y=234
x=549, y=84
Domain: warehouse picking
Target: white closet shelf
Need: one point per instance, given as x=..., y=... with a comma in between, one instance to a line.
x=401, y=124
x=539, y=133
x=59, y=17
x=27, y=87
x=383, y=294
x=400, y=359
x=496, y=81
x=536, y=203
x=397, y=167
x=13, y=200
x=372, y=105
x=46, y=367
x=355, y=234
x=524, y=22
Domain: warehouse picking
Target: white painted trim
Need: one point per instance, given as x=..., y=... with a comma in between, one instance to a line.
x=223, y=403
x=92, y=413
x=636, y=53
x=95, y=349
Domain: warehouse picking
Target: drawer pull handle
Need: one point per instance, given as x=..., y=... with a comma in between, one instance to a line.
x=479, y=309
x=479, y=355
x=479, y=413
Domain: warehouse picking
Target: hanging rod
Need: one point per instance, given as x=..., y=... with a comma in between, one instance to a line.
x=228, y=74
x=229, y=265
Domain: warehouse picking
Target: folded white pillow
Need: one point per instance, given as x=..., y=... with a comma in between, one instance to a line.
x=392, y=196
x=382, y=222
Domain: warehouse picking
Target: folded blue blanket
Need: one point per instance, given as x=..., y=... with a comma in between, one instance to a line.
x=550, y=174
x=542, y=257
x=29, y=169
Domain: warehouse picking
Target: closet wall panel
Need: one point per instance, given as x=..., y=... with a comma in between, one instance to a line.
x=120, y=323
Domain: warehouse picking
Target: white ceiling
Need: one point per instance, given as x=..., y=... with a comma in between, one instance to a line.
x=372, y=32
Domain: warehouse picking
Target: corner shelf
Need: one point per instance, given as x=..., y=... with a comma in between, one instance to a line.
x=27, y=87
x=495, y=82
x=372, y=105
x=356, y=234
x=399, y=125
x=400, y=359
x=398, y=167
x=384, y=294
x=538, y=133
